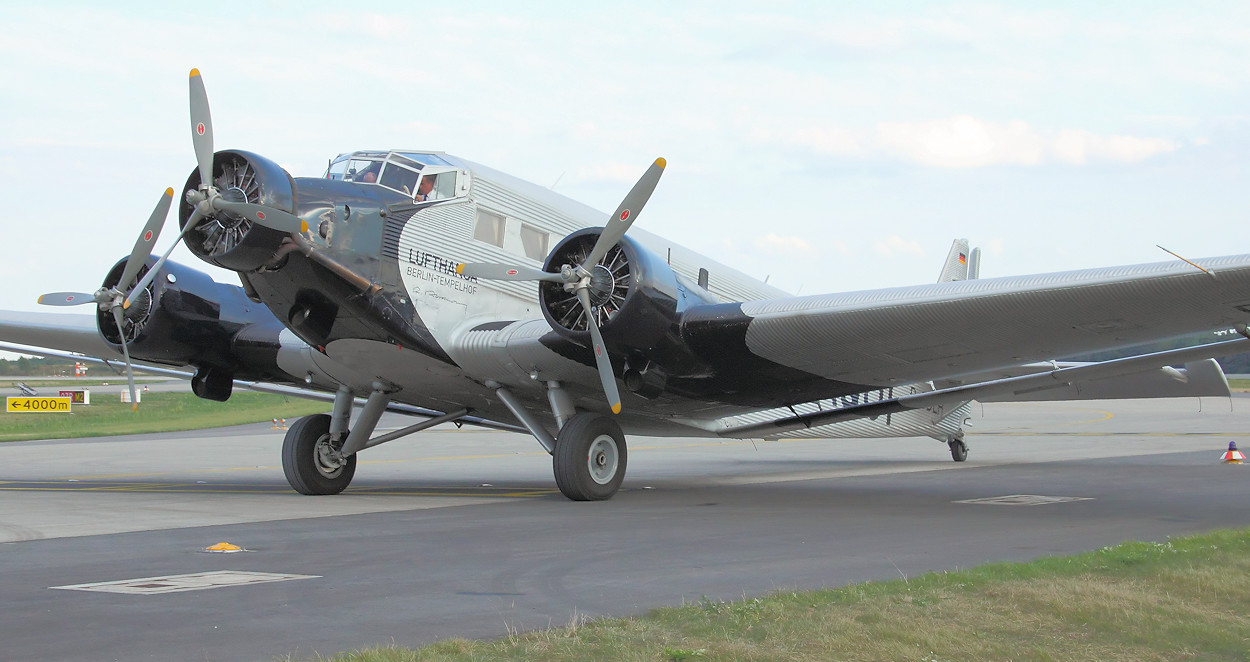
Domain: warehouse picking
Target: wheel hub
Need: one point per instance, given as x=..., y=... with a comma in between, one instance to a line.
x=602, y=459
x=327, y=458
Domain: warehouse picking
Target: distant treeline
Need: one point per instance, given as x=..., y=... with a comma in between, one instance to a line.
x=36, y=367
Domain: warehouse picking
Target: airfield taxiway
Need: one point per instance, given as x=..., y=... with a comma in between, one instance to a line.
x=462, y=533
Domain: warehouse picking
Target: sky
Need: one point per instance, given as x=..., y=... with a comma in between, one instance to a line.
x=826, y=146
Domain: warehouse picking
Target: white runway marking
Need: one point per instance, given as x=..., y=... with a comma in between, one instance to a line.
x=178, y=583
x=1023, y=500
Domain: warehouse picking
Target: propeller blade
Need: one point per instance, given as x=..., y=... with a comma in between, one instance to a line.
x=147, y=239
x=147, y=278
x=262, y=215
x=201, y=128
x=606, y=376
x=506, y=272
x=130, y=373
x=66, y=298
x=625, y=214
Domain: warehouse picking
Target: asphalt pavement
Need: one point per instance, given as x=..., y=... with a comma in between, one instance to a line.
x=461, y=533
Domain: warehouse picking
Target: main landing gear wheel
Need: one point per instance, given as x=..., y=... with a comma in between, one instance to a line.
x=310, y=461
x=959, y=450
x=590, y=458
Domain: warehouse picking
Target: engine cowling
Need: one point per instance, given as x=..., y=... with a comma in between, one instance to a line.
x=637, y=299
x=229, y=240
x=183, y=317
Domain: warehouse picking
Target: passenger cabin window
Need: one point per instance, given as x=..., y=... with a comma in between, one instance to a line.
x=534, y=242
x=489, y=228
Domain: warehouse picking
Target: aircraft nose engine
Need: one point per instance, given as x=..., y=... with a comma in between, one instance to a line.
x=228, y=239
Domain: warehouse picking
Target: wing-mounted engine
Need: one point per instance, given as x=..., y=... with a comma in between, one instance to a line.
x=183, y=317
x=231, y=239
x=635, y=300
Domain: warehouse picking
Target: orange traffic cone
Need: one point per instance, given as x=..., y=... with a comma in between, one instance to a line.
x=1232, y=455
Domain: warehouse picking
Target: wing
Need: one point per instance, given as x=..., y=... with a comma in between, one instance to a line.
x=75, y=337
x=918, y=334
x=64, y=331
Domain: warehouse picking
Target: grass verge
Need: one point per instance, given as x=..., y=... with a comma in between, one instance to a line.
x=158, y=412
x=1239, y=385
x=1184, y=599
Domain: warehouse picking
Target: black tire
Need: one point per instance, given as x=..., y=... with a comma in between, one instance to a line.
x=959, y=450
x=300, y=463
x=590, y=458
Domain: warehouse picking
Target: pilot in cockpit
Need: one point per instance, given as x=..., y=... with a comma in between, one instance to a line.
x=370, y=174
x=425, y=190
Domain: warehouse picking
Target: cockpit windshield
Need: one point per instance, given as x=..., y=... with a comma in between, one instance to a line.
x=422, y=176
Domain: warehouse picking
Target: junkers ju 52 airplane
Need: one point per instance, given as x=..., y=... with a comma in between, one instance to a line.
x=425, y=283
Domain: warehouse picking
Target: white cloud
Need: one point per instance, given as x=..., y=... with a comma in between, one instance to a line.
x=1079, y=147
x=896, y=245
x=963, y=141
x=781, y=245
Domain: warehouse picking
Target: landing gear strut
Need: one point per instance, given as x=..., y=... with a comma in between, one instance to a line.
x=311, y=461
x=959, y=450
x=590, y=457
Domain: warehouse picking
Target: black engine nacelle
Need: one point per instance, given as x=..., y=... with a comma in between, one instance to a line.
x=638, y=300
x=229, y=240
x=183, y=317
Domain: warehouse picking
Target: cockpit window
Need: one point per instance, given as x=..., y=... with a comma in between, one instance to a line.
x=421, y=175
x=399, y=178
x=363, y=171
x=338, y=169
x=427, y=159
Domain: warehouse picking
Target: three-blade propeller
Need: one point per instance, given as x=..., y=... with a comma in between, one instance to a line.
x=114, y=298
x=205, y=201
x=577, y=278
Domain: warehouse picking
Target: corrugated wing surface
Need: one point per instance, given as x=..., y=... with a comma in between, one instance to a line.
x=920, y=333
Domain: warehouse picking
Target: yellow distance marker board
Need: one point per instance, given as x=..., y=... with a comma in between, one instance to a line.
x=29, y=405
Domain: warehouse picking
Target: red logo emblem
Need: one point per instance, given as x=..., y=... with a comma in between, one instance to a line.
x=598, y=351
x=624, y=214
x=512, y=272
x=147, y=236
x=199, y=128
x=260, y=215
x=69, y=298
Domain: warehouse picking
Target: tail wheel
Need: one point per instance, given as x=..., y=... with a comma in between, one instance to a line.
x=959, y=450
x=590, y=458
x=310, y=460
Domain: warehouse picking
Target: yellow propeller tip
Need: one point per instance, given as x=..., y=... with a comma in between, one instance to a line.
x=169, y=191
x=126, y=305
x=195, y=72
x=460, y=269
x=303, y=225
x=616, y=408
x=661, y=162
x=39, y=300
x=134, y=407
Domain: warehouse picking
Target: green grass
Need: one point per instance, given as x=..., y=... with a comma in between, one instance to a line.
x=1239, y=384
x=158, y=412
x=1188, y=598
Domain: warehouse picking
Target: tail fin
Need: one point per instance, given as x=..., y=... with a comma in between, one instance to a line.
x=956, y=266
